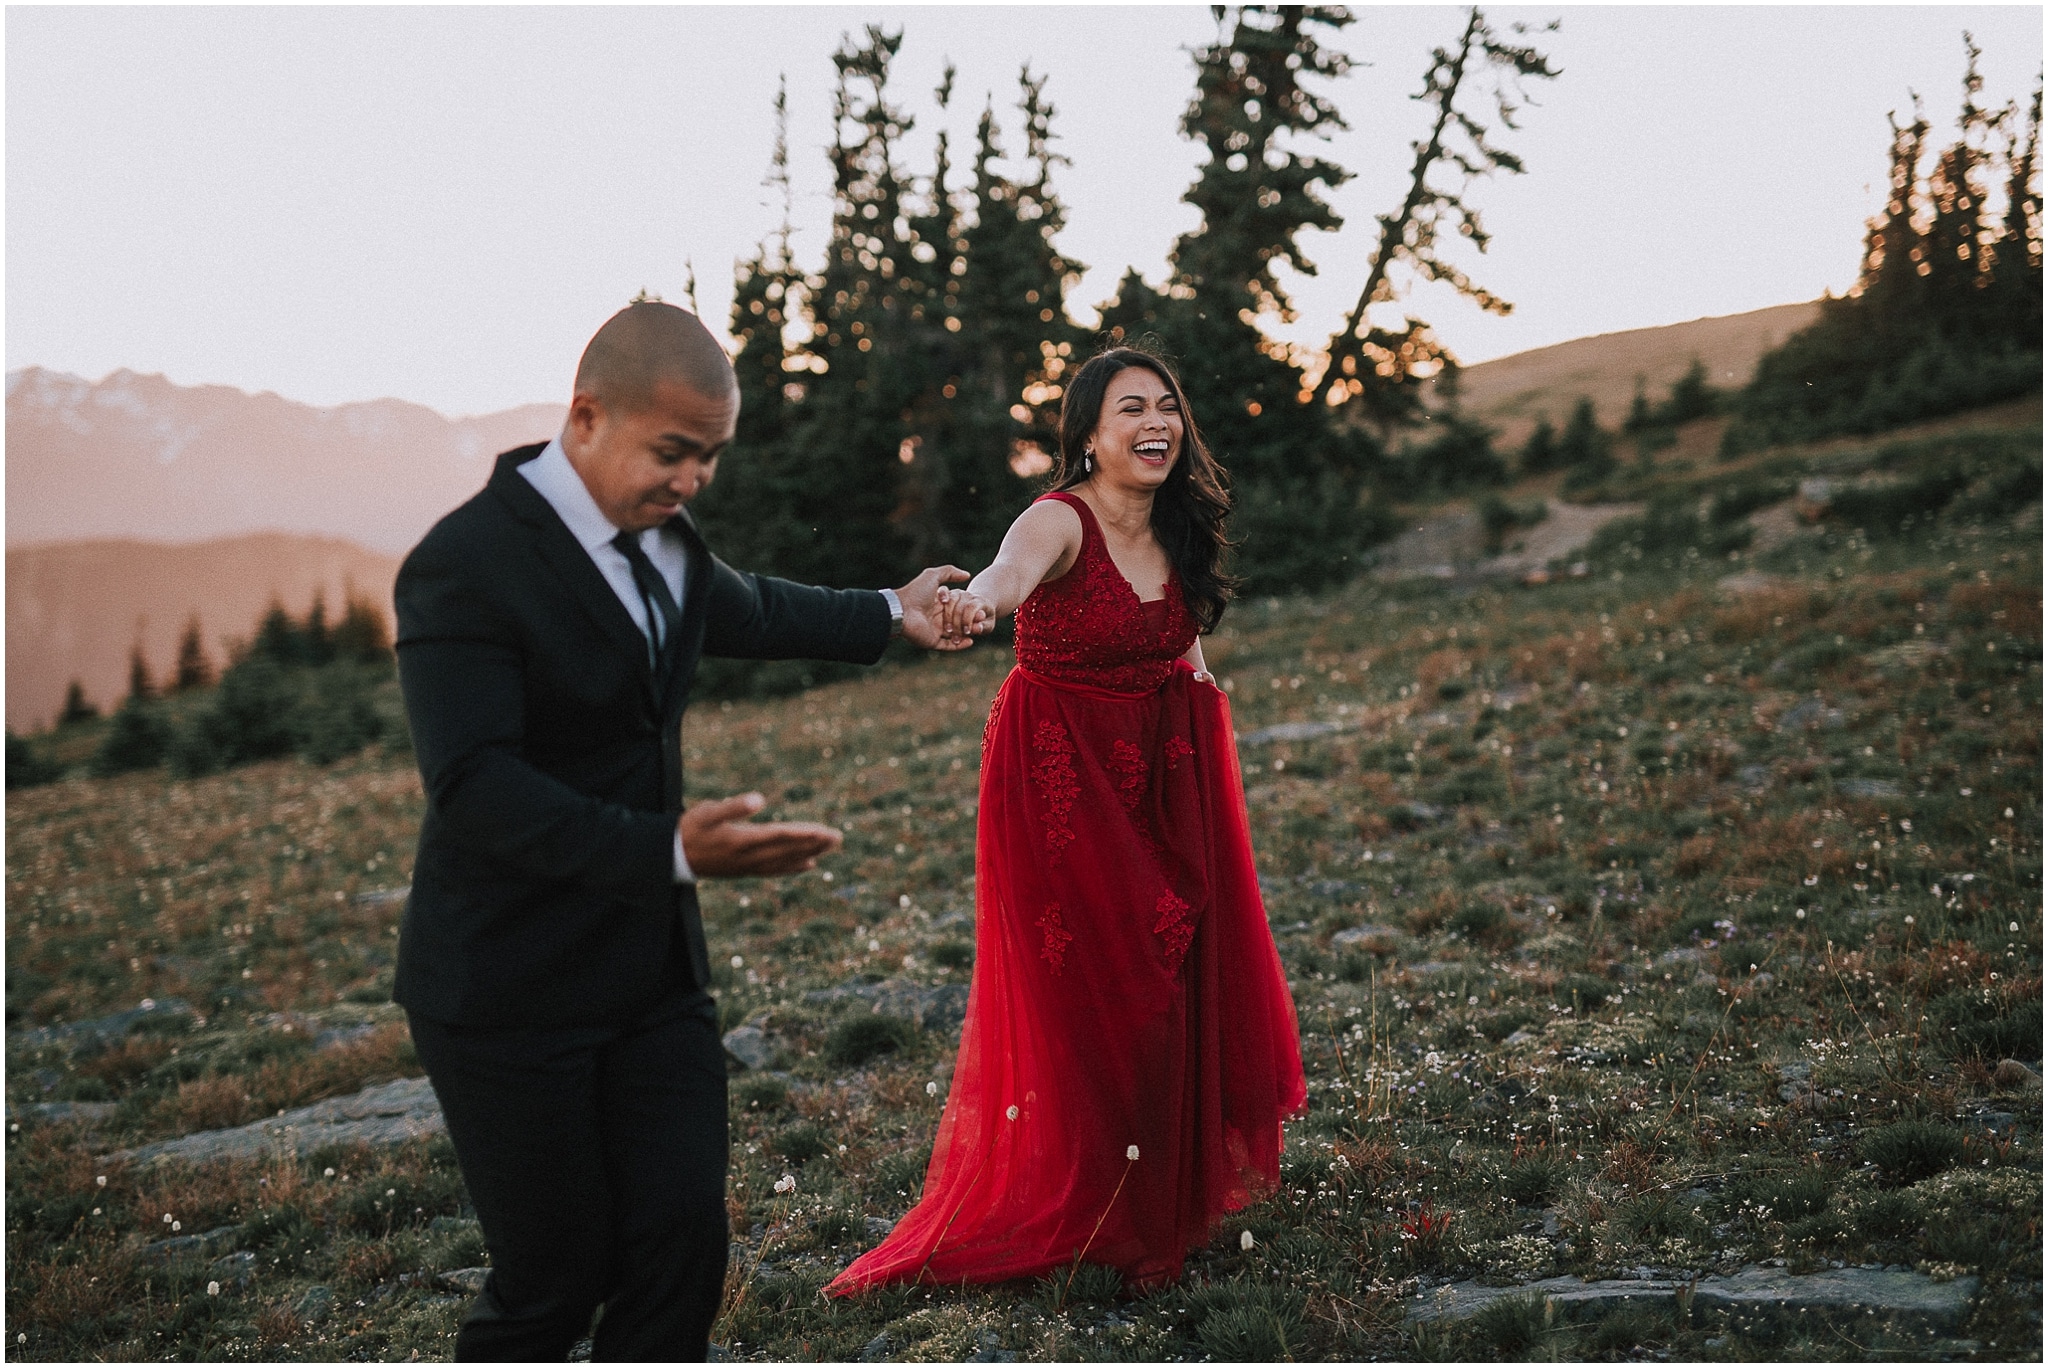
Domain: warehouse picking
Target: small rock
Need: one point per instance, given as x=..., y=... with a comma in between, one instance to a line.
x=1358, y=935
x=989, y=1349
x=1521, y=1037
x=106, y=1029
x=877, y=1226
x=1289, y=731
x=469, y=1281
x=753, y=1047
x=62, y=1113
x=2010, y=1073
x=452, y=1225
x=1754, y=776
x=383, y=897
x=581, y=1350
x=235, y=1270
x=314, y=1305
x=1869, y=788
x=877, y=1349
x=202, y=1246
x=1811, y=714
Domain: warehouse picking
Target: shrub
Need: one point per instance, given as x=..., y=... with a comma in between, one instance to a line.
x=27, y=766
x=251, y=717
x=760, y=1092
x=138, y=738
x=1531, y=1178
x=1908, y=1151
x=1241, y=1321
x=953, y=954
x=803, y=1142
x=1968, y=1026
x=1498, y=518
x=339, y=716
x=858, y=1039
x=1514, y=1326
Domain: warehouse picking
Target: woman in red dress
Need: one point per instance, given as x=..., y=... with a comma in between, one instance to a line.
x=1130, y=1046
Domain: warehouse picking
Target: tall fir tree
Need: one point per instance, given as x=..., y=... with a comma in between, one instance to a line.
x=748, y=510
x=1295, y=478
x=194, y=668
x=141, y=683
x=847, y=449
x=1016, y=338
x=1380, y=367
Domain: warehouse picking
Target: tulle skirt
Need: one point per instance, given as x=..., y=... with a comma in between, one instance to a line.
x=1130, y=1047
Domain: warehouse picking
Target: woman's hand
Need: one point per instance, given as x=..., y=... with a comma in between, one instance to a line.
x=968, y=614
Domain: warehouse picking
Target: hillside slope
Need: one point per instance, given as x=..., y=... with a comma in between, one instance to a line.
x=1512, y=392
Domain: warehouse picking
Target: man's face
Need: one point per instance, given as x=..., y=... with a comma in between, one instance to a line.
x=641, y=467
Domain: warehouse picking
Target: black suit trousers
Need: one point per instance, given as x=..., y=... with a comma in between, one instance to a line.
x=595, y=1157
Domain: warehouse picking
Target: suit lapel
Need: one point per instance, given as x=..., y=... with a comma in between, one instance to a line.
x=571, y=564
x=696, y=589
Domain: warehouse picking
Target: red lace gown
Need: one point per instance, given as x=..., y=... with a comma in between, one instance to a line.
x=1126, y=990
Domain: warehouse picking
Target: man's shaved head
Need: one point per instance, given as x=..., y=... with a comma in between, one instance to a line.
x=648, y=344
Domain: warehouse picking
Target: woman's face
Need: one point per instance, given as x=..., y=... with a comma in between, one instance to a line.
x=1138, y=433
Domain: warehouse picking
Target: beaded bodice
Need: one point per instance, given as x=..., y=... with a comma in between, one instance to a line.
x=1089, y=626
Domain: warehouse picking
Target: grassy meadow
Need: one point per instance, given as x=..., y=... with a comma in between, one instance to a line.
x=1645, y=919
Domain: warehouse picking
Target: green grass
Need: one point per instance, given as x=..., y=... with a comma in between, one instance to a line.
x=1549, y=1053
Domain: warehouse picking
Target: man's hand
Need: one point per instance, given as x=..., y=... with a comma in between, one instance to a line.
x=720, y=843
x=923, y=623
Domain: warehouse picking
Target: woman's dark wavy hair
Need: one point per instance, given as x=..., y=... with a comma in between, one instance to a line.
x=1190, y=509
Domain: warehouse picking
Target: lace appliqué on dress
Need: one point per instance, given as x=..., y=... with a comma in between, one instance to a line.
x=1175, y=926
x=1128, y=763
x=1177, y=750
x=1057, y=938
x=1054, y=772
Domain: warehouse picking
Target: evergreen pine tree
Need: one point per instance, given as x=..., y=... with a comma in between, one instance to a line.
x=1539, y=452
x=1585, y=448
x=1691, y=397
x=278, y=638
x=1295, y=479
x=195, y=670
x=748, y=511
x=846, y=476
x=2017, y=255
x=1016, y=339
x=1378, y=366
x=77, y=707
x=316, y=641
x=141, y=686
x=362, y=635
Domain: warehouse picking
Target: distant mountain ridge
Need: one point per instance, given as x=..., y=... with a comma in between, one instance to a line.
x=138, y=456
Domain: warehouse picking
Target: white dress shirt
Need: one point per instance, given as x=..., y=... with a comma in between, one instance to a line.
x=556, y=480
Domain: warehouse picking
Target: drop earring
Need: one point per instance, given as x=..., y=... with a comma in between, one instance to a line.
x=1088, y=461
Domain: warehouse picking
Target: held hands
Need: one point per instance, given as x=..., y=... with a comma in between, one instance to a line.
x=923, y=599
x=720, y=843
x=964, y=615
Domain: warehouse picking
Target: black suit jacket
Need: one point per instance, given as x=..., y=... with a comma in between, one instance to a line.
x=543, y=893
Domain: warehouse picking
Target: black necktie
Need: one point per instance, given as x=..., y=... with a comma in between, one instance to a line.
x=663, y=616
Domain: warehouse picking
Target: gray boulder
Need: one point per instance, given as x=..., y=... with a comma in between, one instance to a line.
x=383, y=1115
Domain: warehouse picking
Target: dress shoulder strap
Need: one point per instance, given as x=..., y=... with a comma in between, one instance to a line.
x=1089, y=527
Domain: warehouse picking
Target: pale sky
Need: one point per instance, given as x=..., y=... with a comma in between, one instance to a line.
x=441, y=204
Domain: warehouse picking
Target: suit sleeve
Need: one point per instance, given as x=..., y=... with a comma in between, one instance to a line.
x=461, y=668
x=757, y=617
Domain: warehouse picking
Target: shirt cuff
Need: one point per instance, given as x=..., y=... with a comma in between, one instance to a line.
x=683, y=874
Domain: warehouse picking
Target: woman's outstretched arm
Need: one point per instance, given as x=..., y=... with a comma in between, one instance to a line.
x=1041, y=545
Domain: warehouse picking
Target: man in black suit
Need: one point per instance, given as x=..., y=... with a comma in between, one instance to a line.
x=552, y=960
